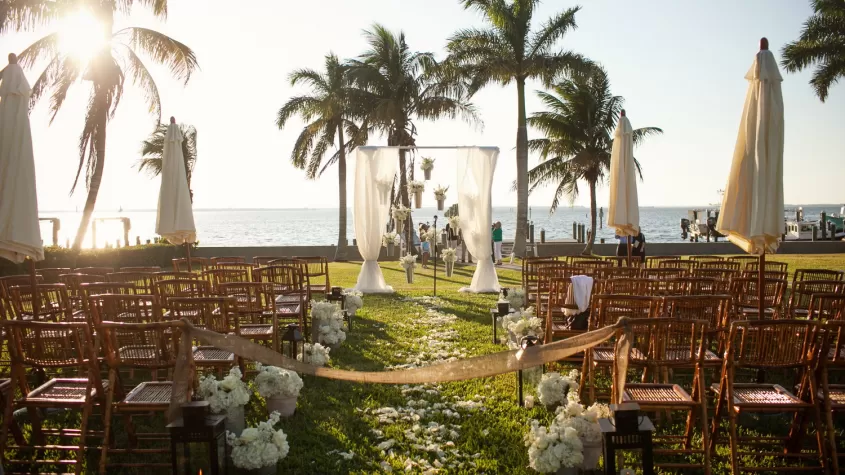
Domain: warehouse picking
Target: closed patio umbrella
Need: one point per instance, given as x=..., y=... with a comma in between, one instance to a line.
x=752, y=207
x=624, y=210
x=175, y=218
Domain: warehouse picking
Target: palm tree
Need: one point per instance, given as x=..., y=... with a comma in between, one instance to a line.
x=152, y=151
x=396, y=86
x=328, y=111
x=578, y=128
x=822, y=42
x=508, y=50
x=107, y=70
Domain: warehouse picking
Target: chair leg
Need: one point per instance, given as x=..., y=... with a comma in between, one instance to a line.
x=714, y=429
x=831, y=433
x=86, y=414
x=817, y=421
x=7, y=422
x=732, y=416
x=705, y=439
x=104, y=452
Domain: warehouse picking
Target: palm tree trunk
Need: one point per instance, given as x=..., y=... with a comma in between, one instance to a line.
x=96, y=178
x=589, y=249
x=341, y=189
x=521, y=172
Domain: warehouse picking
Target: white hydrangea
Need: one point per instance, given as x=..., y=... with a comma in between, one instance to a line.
x=328, y=318
x=449, y=255
x=226, y=394
x=516, y=298
x=520, y=324
x=314, y=354
x=555, y=388
x=273, y=381
x=354, y=300
x=553, y=447
x=391, y=238
x=260, y=446
x=408, y=261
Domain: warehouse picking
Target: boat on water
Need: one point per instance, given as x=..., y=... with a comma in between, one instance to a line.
x=797, y=228
x=700, y=224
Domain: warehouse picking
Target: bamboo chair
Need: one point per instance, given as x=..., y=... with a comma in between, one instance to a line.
x=802, y=294
x=216, y=277
x=236, y=266
x=99, y=271
x=254, y=307
x=54, y=303
x=558, y=324
x=769, y=274
x=700, y=286
x=261, y=261
x=198, y=264
x=140, y=269
x=74, y=286
x=654, y=261
x=746, y=298
x=817, y=274
x=545, y=273
x=317, y=271
x=51, y=274
x=148, y=347
x=122, y=308
x=662, y=273
x=712, y=309
x=724, y=274
x=166, y=290
x=605, y=310
x=214, y=314
x=832, y=395
x=769, y=345
x=826, y=307
x=623, y=286
x=670, y=344
x=622, y=272
x=688, y=266
x=706, y=258
x=744, y=259
x=770, y=266
x=56, y=347
x=226, y=260
x=572, y=260
x=10, y=281
x=530, y=276
x=590, y=264
x=725, y=265
x=101, y=288
x=622, y=261
x=291, y=294
x=144, y=282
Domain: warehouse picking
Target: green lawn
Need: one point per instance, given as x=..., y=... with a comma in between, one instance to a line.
x=472, y=426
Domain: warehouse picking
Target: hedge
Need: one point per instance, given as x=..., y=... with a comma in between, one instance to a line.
x=134, y=256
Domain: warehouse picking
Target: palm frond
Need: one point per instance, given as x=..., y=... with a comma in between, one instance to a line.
x=46, y=47
x=644, y=132
x=142, y=78
x=164, y=50
x=554, y=29
x=27, y=15
x=306, y=106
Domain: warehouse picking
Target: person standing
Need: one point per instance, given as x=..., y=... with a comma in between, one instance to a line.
x=638, y=246
x=451, y=237
x=497, y=242
x=425, y=245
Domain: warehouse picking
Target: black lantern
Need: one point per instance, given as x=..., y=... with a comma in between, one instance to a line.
x=198, y=441
x=628, y=430
x=291, y=340
x=524, y=343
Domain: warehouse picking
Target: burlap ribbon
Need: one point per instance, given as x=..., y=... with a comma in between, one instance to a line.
x=475, y=367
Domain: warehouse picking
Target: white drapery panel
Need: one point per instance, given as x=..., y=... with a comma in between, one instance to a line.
x=175, y=218
x=624, y=210
x=20, y=235
x=752, y=207
x=475, y=182
x=375, y=168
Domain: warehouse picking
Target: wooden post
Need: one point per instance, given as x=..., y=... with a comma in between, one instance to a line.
x=188, y=251
x=34, y=280
x=761, y=272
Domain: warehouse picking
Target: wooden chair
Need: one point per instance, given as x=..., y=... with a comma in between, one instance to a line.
x=832, y=396
x=317, y=272
x=226, y=260
x=218, y=276
x=260, y=261
x=143, y=281
x=769, y=274
x=700, y=286
x=802, y=294
x=705, y=258
x=547, y=271
x=235, y=266
x=190, y=288
x=770, y=266
x=654, y=261
x=672, y=344
x=622, y=272
x=688, y=266
x=620, y=261
x=662, y=273
x=723, y=274
x=571, y=260
x=725, y=265
x=769, y=345
x=101, y=288
x=168, y=275
x=590, y=264
x=558, y=324
x=254, y=308
x=140, y=269
x=209, y=313
x=198, y=264
x=290, y=291
x=74, y=286
x=746, y=298
x=10, y=281
x=826, y=307
x=712, y=309
x=147, y=347
x=817, y=274
x=744, y=259
x=53, y=302
x=55, y=347
x=98, y=271
x=124, y=308
x=51, y=274
x=530, y=277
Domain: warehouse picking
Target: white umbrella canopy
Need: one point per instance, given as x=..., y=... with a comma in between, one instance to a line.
x=624, y=210
x=20, y=234
x=175, y=219
x=752, y=207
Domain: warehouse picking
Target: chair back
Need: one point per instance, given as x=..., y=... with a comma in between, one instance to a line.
x=226, y=260
x=712, y=309
x=622, y=261
x=688, y=266
x=250, y=297
x=770, y=266
x=662, y=273
x=143, y=281
x=260, y=261
x=723, y=274
x=769, y=274
x=236, y=266
x=745, y=292
x=724, y=265
x=221, y=276
x=317, y=270
x=100, y=271
x=51, y=274
x=590, y=264
x=571, y=260
x=817, y=274
x=833, y=349
x=149, y=269
x=123, y=308
x=49, y=345
x=654, y=261
x=826, y=307
x=744, y=259
x=99, y=288
x=802, y=294
x=12, y=280
x=53, y=302
x=772, y=343
x=140, y=345
x=529, y=271
x=170, y=288
x=699, y=286
x=210, y=313
x=668, y=343
x=622, y=272
x=607, y=308
x=197, y=264
x=705, y=258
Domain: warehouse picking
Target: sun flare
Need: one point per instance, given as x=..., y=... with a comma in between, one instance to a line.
x=82, y=36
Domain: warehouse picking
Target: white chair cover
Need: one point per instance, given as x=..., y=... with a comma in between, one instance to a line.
x=475, y=182
x=375, y=168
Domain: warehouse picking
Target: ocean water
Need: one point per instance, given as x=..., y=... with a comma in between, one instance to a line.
x=287, y=227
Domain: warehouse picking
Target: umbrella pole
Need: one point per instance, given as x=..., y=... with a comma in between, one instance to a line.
x=34, y=280
x=760, y=285
x=188, y=250
x=629, y=250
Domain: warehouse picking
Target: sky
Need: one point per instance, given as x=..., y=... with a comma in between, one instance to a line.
x=680, y=65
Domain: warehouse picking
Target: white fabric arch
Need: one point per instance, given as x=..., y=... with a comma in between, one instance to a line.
x=375, y=168
x=476, y=166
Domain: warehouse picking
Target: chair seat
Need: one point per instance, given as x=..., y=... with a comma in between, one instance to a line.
x=288, y=308
x=761, y=395
x=64, y=390
x=754, y=311
x=657, y=394
x=256, y=330
x=209, y=354
x=675, y=354
x=604, y=355
x=155, y=393
x=837, y=396
x=315, y=288
x=138, y=352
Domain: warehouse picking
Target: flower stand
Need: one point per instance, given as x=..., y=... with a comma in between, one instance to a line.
x=235, y=420
x=450, y=267
x=427, y=174
x=441, y=204
x=409, y=273
x=285, y=406
x=400, y=226
x=592, y=454
x=390, y=250
x=418, y=199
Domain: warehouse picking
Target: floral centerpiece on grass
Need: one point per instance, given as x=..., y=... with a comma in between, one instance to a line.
x=427, y=166
x=416, y=188
x=521, y=324
x=228, y=396
x=354, y=301
x=279, y=387
x=450, y=256
x=409, y=262
x=440, y=196
x=555, y=388
x=400, y=215
x=314, y=354
x=554, y=447
x=259, y=447
x=327, y=324
x=389, y=240
x=515, y=297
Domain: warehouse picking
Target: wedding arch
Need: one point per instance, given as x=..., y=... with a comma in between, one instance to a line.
x=375, y=169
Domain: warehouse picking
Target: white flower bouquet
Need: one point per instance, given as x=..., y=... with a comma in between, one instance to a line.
x=516, y=298
x=553, y=447
x=521, y=324
x=391, y=238
x=400, y=215
x=455, y=223
x=440, y=192
x=427, y=164
x=314, y=354
x=260, y=446
x=327, y=321
x=429, y=236
x=416, y=186
x=449, y=255
x=274, y=381
x=408, y=261
x=354, y=300
x=223, y=395
x=555, y=388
